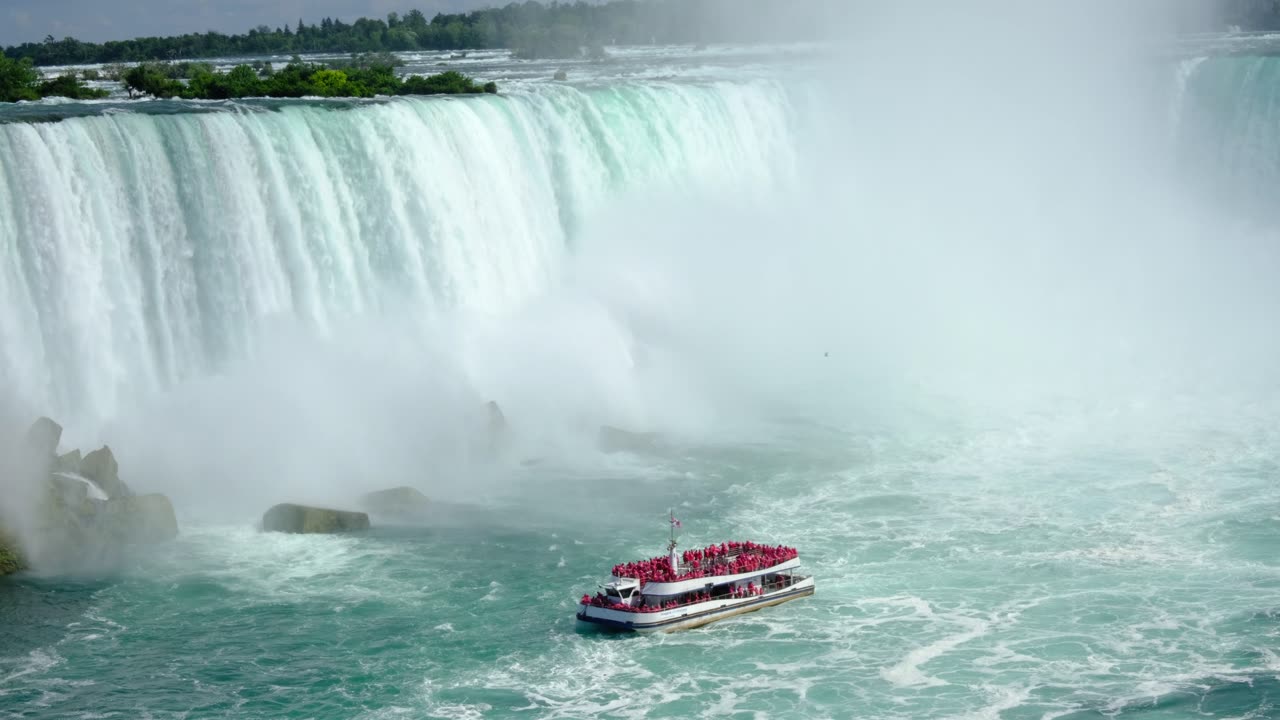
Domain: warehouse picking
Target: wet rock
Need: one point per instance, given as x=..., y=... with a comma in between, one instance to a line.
x=100, y=466
x=64, y=530
x=400, y=502
x=43, y=438
x=69, y=492
x=498, y=434
x=497, y=420
x=291, y=518
x=612, y=440
x=561, y=75
x=68, y=462
x=80, y=514
x=139, y=519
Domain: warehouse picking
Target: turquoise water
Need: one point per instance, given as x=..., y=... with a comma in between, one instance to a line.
x=1011, y=394
x=1024, y=572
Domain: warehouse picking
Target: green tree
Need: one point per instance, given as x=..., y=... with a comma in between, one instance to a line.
x=329, y=83
x=532, y=29
x=69, y=86
x=17, y=80
x=151, y=79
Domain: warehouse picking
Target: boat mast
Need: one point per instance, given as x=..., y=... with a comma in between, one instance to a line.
x=671, y=546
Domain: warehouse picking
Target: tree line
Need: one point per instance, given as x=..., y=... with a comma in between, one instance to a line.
x=297, y=79
x=20, y=81
x=1253, y=14
x=362, y=77
x=531, y=29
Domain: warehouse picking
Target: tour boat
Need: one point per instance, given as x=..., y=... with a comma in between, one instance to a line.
x=695, y=588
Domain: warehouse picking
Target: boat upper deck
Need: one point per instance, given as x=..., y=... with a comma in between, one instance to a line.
x=731, y=558
x=651, y=605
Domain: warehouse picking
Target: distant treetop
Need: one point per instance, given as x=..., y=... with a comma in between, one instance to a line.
x=530, y=29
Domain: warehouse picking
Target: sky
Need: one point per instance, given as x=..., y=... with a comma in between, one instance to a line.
x=99, y=20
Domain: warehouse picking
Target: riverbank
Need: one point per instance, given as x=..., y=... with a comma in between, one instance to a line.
x=19, y=81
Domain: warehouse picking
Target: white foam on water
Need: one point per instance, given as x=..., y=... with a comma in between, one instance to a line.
x=1002, y=699
x=907, y=672
x=33, y=663
x=260, y=566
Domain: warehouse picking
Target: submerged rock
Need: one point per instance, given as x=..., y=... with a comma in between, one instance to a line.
x=400, y=502
x=291, y=518
x=100, y=466
x=612, y=440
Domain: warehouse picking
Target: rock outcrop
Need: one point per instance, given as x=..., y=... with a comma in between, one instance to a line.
x=497, y=420
x=68, y=463
x=497, y=432
x=561, y=75
x=43, y=438
x=141, y=518
x=612, y=440
x=400, y=502
x=291, y=518
x=100, y=466
x=80, y=512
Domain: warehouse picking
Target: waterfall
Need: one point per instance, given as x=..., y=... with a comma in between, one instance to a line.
x=141, y=248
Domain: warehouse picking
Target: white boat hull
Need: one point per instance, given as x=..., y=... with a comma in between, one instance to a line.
x=689, y=616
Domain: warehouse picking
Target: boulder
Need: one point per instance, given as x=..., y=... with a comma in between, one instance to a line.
x=81, y=514
x=291, y=518
x=70, y=492
x=561, y=75
x=498, y=434
x=612, y=440
x=497, y=420
x=396, y=502
x=139, y=519
x=100, y=466
x=73, y=529
x=89, y=487
x=43, y=438
x=64, y=528
x=68, y=463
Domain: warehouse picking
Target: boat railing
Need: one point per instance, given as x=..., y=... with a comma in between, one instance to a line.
x=725, y=592
x=725, y=559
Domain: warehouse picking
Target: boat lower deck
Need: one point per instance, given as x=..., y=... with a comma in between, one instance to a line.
x=691, y=616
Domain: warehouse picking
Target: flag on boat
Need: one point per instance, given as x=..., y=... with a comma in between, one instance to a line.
x=675, y=522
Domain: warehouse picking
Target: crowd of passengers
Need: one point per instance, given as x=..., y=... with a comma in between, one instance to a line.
x=688, y=599
x=731, y=558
